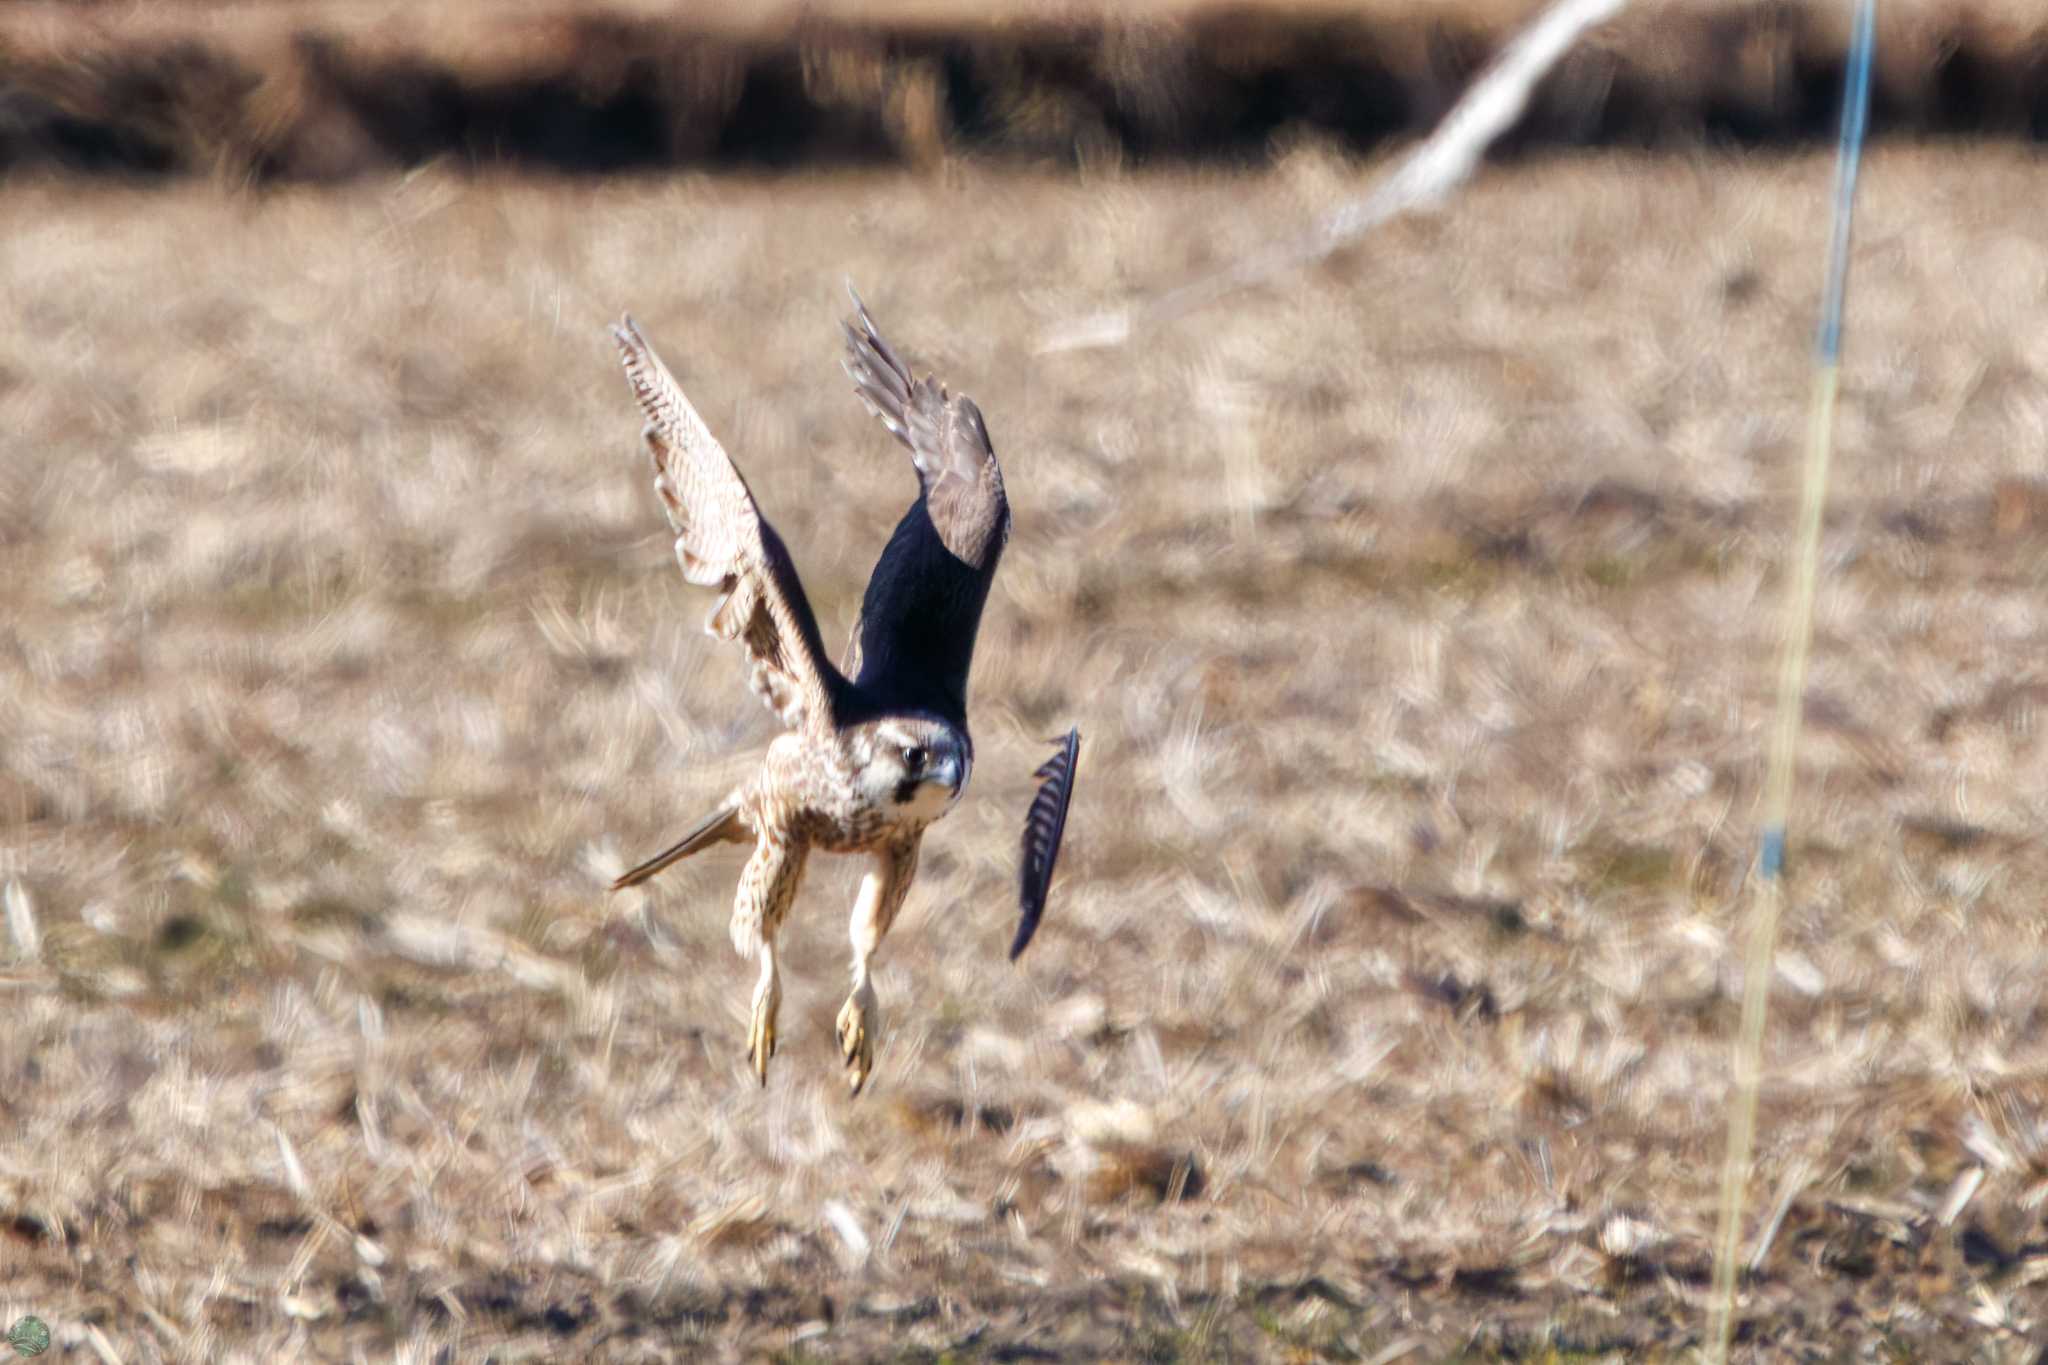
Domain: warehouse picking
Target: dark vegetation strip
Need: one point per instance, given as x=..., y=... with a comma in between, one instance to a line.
x=594, y=94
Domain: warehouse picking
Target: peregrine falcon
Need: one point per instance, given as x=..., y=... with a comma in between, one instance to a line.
x=878, y=750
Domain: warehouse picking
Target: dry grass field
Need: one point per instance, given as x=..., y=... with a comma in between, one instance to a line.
x=1419, y=617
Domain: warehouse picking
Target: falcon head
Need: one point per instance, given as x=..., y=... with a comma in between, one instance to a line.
x=914, y=767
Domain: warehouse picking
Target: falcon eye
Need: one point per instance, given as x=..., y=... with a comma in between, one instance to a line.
x=914, y=757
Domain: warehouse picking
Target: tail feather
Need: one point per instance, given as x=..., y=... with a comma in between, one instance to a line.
x=720, y=827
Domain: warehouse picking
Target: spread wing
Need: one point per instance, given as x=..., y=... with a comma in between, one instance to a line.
x=724, y=543
x=1043, y=828
x=914, y=640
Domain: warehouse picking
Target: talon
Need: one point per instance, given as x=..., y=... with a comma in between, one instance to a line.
x=856, y=1041
x=761, y=1038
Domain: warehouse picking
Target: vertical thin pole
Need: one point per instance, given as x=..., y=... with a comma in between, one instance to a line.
x=1799, y=593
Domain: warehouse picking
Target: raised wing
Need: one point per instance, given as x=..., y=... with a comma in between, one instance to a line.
x=1043, y=828
x=947, y=438
x=914, y=640
x=724, y=543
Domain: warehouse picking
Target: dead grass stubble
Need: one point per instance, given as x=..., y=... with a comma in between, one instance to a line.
x=1418, y=620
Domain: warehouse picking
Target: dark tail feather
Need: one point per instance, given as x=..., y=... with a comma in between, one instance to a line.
x=720, y=827
x=1043, y=828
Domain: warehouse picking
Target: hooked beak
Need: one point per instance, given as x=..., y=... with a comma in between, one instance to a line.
x=949, y=772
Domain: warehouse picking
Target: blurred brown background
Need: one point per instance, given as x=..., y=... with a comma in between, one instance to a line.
x=323, y=90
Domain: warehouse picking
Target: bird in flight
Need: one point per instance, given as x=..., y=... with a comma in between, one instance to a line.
x=874, y=751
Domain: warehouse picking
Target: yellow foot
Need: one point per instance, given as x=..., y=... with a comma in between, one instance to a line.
x=761, y=1033
x=859, y=1022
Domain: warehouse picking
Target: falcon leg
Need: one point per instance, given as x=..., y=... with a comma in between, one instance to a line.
x=767, y=1003
x=767, y=887
x=881, y=895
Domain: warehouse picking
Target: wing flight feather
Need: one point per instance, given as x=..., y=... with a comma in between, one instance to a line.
x=724, y=543
x=946, y=436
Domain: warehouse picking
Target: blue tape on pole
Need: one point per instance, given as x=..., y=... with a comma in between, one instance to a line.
x=1855, y=117
x=1772, y=863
